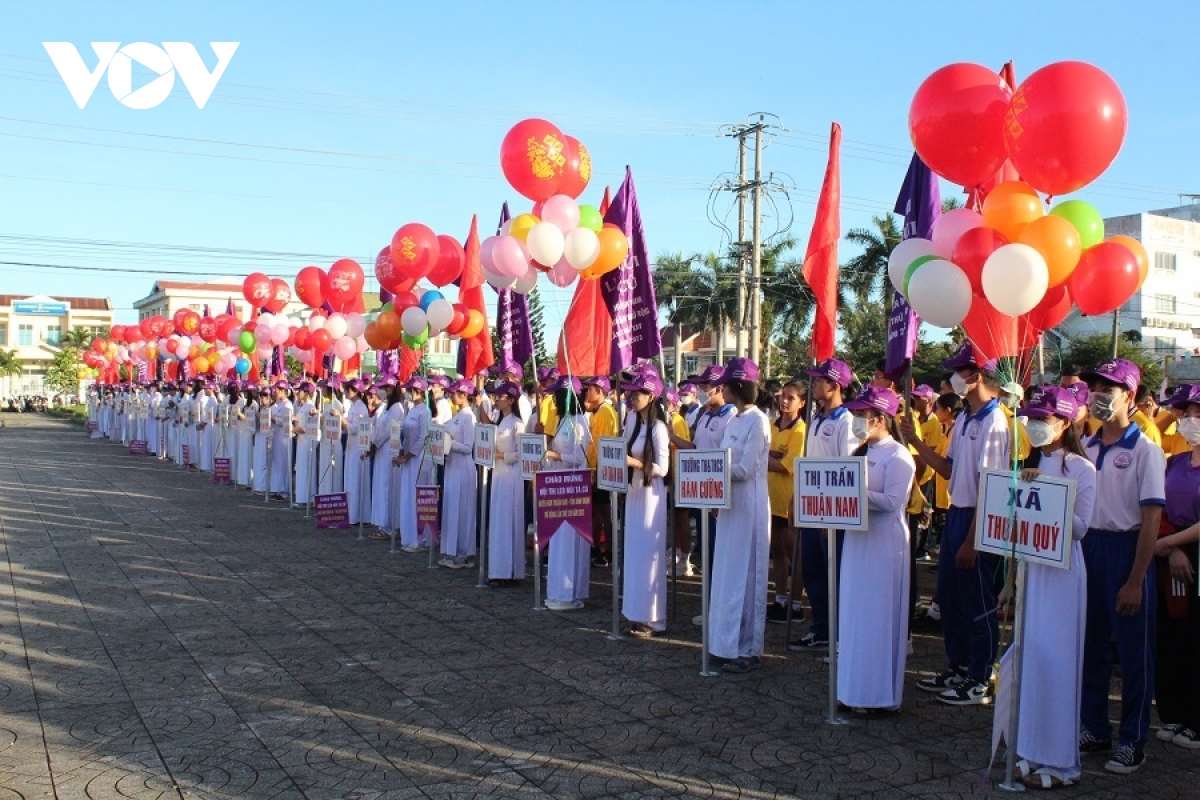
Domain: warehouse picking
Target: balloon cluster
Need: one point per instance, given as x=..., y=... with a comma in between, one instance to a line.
x=413, y=316
x=1012, y=262
x=559, y=237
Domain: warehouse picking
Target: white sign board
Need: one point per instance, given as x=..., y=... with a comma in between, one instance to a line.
x=533, y=453
x=312, y=424
x=395, y=429
x=264, y=420
x=702, y=479
x=612, y=470
x=830, y=493
x=485, y=446
x=1031, y=521
x=362, y=433
x=331, y=427
x=438, y=444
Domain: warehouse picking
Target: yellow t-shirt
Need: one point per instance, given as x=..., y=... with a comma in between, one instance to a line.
x=1023, y=446
x=930, y=432
x=604, y=423
x=941, y=485
x=548, y=415
x=780, y=486
x=1172, y=442
x=1149, y=427
x=680, y=427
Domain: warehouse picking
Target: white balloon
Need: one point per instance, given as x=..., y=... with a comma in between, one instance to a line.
x=545, y=243
x=316, y=322
x=1015, y=278
x=499, y=281
x=355, y=324
x=413, y=320
x=360, y=344
x=439, y=314
x=903, y=255
x=941, y=293
x=582, y=248
x=526, y=282
x=266, y=318
x=336, y=325
x=951, y=226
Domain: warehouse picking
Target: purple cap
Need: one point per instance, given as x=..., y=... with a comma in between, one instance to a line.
x=506, y=387
x=831, y=369
x=307, y=386
x=687, y=388
x=439, y=380
x=963, y=359
x=462, y=385
x=358, y=384
x=643, y=367
x=335, y=381
x=924, y=390
x=1081, y=392
x=1118, y=371
x=417, y=383
x=712, y=374
x=672, y=396
x=281, y=384
x=1187, y=394
x=645, y=382
x=738, y=369
x=510, y=367
x=568, y=382
x=876, y=398
x=547, y=374
x=599, y=381
x=1050, y=401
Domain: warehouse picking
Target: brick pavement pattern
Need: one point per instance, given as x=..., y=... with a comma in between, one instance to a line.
x=164, y=637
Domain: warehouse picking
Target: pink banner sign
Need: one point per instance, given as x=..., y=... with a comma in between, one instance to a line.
x=563, y=498
x=222, y=471
x=332, y=510
x=427, y=513
x=138, y=447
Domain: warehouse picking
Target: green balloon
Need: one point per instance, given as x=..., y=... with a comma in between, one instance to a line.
x=913, y=267
x=385, y=307
x=589, y=217
x=418, y=341
x=1085, y=218
x=246, y=342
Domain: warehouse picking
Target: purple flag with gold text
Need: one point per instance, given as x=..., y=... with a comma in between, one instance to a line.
x=512, y=319
x=629, y=290
x=920, y=203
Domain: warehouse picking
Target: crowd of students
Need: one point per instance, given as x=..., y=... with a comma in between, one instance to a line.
x=1130, y=591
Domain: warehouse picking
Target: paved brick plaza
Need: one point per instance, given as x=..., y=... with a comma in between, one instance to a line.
x=163, y=637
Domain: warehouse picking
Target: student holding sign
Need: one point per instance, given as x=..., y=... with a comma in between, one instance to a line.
x=739, y=589
x=358, y=487
x=506, y=517
x=245, y=413
x=1119, y=552
x=1055, y=603
x=460, y=483
x=569, y=571
x=390, y=395
x=416, y=469
x=281, y=441
x=329, y=453
x=262, y=437
x=307, y=432
x=873, y=636
x=648, y=453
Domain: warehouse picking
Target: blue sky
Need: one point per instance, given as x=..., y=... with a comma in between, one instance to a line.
x=337, y=123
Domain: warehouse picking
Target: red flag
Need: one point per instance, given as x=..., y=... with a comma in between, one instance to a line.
x=605, y=202
x=474, y=354
x=820, y=269
x=585, y=344
x=1007, y=172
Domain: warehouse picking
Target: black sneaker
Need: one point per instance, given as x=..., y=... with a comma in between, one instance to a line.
x=1093, y=744
x=601, y=562
x=950, y=679
x=777, y=613
x=809, y=643
x=969, y=693
x=1168, y=732
x=1127, y=760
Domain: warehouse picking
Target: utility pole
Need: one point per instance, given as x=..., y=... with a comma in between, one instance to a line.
x=756, y=250
x=740, y=329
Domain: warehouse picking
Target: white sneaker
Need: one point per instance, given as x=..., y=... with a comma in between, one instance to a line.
x=564, y=605
x=933, y=612
x=698, y=620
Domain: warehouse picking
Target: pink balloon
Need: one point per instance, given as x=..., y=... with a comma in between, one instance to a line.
x=951, y=226
x=562, y=211
x=486, y=248
x=279, y=334
x=262, y=334
x=345, y=348
x=509, y=259
x=562, y=274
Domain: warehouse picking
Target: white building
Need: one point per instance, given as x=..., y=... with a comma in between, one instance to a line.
x=167, y=297
x=1166, y=310
x=33, y=326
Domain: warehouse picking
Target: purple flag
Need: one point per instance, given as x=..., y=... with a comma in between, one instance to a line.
x=920, y=202
x=629, y=290
x=512, y=319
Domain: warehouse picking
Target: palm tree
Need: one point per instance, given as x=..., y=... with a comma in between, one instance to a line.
x=867, y=272
x=10, y=367
x=76, y=339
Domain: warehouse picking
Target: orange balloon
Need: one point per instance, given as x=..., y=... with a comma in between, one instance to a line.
x=194, y=351
x=375, y=339
x=474, y=324
x=201, y=364
x=1010, y=207
x=614, y=248
x=1139, y=252
x=388, y=324
x=1059, y=243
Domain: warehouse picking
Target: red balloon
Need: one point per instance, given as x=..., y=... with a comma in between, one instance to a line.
x=280, y=296
x=208, y=329
x=345, y=285
x=250, y=326
x=973, y=249
x=450, y=262
x=225, y=324
x=148, y=328
x=1106, y=277
x=320, y=340
x=1065, y=125
x=578, y=170
x=308, y=286
x=403, y=300
x=303, y=337
x=388, y=275
x=414, y=253
x=256, y=289
x=1054, y=308
x=187, y=322
x=533, y=157
x=458, y=322
x=956, y=122
x=994, y=335
x=117, y=333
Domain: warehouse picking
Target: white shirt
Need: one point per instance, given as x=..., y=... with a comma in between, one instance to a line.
x=1130, y=473
x=980, y=441
x=710, y=427
x=831, y=435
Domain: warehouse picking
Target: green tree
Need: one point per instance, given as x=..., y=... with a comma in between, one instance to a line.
x=1088, y=351
x=63, y=374
x=866, y=274
x=76, y=338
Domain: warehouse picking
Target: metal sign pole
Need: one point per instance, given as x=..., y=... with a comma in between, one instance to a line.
x=616, y=568
x=833, y=718
x=537, y=556
x=787, y=628
x=705, y=560
x=484, y=509
x=270, y=454
x=362, y=494
x=393, y=493
x=311, y=477
x=291, y=492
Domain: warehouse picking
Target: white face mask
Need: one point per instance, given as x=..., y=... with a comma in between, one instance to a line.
x=1189, y=429
x=1101, y=405
x=959, y=384
x=1041, y=432
x=860, y=427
